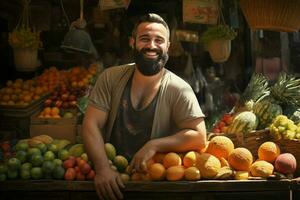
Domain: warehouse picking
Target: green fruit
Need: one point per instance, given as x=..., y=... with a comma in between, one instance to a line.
x=266, y=112
x=110, y=151
x=13, y=164
x=53, y=148
x=32, y=151
x=42, y=147
x=68, y=115
x=63, y=154
x=48, y=167
x=3, y=168
x=37, y=160
x=2, y=177
x=26, y=166
x=121, y=163
x=25, y=174
x=57, y=162
x=76, y=150
x=22, y=156
x=49, y=155
x=12, y=174
x=244, y=122
x=36, y=173
x=22, y=146
x=58, y=172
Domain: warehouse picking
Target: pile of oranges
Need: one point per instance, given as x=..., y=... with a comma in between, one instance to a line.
x=50, y=112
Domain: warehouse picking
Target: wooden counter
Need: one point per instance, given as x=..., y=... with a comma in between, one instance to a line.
x=201, y=190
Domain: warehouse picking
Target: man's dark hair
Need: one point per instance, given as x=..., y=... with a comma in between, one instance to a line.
x=150, y=17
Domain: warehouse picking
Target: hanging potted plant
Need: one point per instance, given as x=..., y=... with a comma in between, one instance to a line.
x=25, y=42
x=217, y=40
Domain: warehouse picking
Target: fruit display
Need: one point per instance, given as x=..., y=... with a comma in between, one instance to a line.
x=283, y=127
x=222, y=125
x=244, y=122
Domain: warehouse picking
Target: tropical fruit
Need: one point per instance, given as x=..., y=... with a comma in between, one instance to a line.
x=42, y=147
x=266, y=111
x=61, y=143
x=224, y=173
x=240, y=159
x=21, y=155
x=26, y=166
x=76, y=150
x=175, y=173
x=241, y=175
x=286, y=163
x=244, y=122
x=136, y=176
x=12, y=174
x=49, y=155
x=282, y=127
x=58, y=172
x=224, y=162
x=268, y=151
x=3, y=168
x=32, y=151
x=120, y=162
x=171, y=159
x=48, y=167
x=190, y=159
x=110, y=151
x=156, y=172
x=36, y=173
x=13, y=164
x=36, y=160
x=192, y=174
x=261, y=168
x=22, y=146
x=33, y=143
x=125, y=177
x=208, y=165
x=46, y=139
x=25, y=174
x=220, y=146
x=159, y=157
x=63, y=154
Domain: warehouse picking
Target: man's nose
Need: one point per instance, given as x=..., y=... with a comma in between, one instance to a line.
x=151, y=44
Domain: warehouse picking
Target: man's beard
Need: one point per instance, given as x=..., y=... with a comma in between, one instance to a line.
x=147, y=66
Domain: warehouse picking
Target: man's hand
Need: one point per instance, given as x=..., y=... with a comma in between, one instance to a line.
x=108, y=183
x=139, y=161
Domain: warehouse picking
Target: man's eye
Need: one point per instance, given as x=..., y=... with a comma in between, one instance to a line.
x=144, y=39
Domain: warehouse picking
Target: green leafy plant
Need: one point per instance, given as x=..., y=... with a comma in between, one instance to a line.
x=218, y=32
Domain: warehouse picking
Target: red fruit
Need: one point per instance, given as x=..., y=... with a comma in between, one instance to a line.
x=221, y=124
x=70, y=174
x=91, y=175
x=80, y=176
x=48, y=103
x=72, y=97
x=80, y=162
x=5, y=146
x=85, y=168
x=65, y=105
x=69, y=163
x=216, y=130
x=64, y=97
x=58, y=103
x=286, y=163
x=73, y=104
x=77, y=169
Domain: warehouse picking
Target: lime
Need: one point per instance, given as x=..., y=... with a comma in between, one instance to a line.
x=3, y=168
x=121, y=163
x=26, y=166
x=42, y=147
x=14, y=164
x=22, y=156
x=57, y=162
x=32, y=151
x=37, y=160
x=58, y=172
x=36, y=173
x=84, y=156
x=110, y=151
x=12, y=174
x=22, y=146
x=49, y=155
x=25, y=174
x=48, y=166
x=2, y=177
x=63, y=154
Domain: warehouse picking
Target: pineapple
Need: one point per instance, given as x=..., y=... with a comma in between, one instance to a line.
x=256, y=90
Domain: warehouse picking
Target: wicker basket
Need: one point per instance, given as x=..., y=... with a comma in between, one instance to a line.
x=274, y=15
x=219, y=50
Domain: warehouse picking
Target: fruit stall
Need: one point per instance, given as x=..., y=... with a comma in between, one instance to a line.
x=252, y=118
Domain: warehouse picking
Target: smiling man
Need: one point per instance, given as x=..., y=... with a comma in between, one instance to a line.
x=141, y=108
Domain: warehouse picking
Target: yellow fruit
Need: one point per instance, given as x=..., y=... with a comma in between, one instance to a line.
x=208, y=165
x=76, y=150
x=175, y=173
x=261, y=168
x=224, y=162
x=46, y=139
x=136, y=176
x=220, y=146
x=240, y=159
x=224, y=173
x=268, y=151
x=171, y=159
x=120, y=162
x=125, y=177
x=192, y=174
x=110, y=151
x=241, y=175
x=190, y=159
x=159, y=157
x=157, y=172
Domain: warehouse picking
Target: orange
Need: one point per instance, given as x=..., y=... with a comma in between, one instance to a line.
x=192, y=174
x=149, y=163
x=220, y=146
x=157, y=172
x=261, y=168
x=175, y=173
x=159, y=157
x=268, y=151
x=171, y=159
x=190, y=158
x=208, y=165
x=240, y=159
x=47, y=111
x=54, y=111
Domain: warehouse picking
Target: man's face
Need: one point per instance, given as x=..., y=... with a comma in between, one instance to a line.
x=151, y=47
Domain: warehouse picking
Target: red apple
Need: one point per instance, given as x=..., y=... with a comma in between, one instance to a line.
x=72, y=97
x=65, y=105
x=64, y=97
x=47, y=102
x=58, y=103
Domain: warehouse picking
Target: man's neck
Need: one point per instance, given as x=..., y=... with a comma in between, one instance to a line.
x=141, y=79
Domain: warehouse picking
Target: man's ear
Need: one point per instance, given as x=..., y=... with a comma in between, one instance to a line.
x=131, y=42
